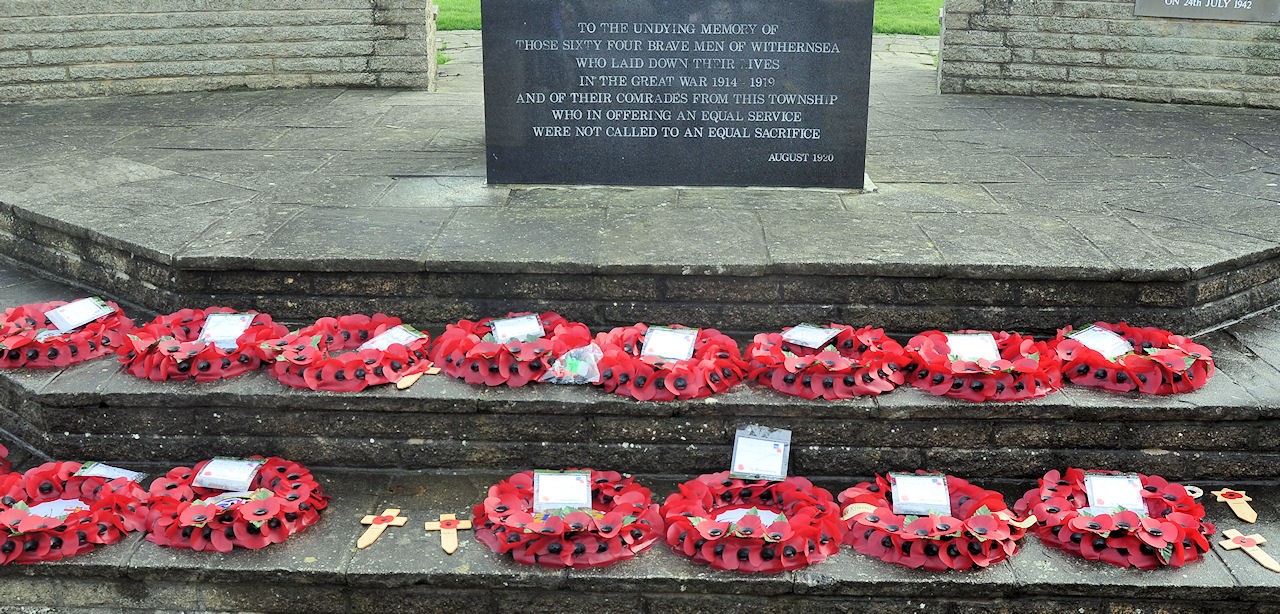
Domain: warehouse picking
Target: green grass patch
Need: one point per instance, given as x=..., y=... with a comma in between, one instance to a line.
x=458, y=15
x=892, y=16
x=907, y=17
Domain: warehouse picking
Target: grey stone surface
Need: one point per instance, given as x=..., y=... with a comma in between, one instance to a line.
x=1099, y=48
x=981, y=198
x=95, y=48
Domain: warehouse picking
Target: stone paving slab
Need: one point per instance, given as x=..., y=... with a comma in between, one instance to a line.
x=226, y=190
x=1033, y=150
x=96, y=411
x=321, y=570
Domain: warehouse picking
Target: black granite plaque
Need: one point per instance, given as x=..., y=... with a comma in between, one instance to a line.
x=1222, y=10
x=677, y=92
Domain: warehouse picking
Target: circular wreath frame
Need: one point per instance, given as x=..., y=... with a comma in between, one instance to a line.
x=716, y=366
x=463, y=352
x=1161, y=363
x=983, y=531
x=811, y=532
x=115, y=508
x=20, y=325
x=1123, y=539
x=168, y=347
x=303, y=359
x=863, y=362
x=504, y=522
x=1027, y=368
x=177, y=519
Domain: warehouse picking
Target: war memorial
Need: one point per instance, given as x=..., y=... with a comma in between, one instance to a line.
x=676, y=305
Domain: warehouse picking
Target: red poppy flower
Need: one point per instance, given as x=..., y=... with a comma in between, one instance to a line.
x=1159, y=533
x=198, y=515
x=1122, y=539
x=748, y=544
x=715, y=366
x=258, y=510
x=987, y=527
x=504, y=524
x=1161, y=363
x=856, y=363
x=934, y=540
x=1026, y=369
x=295, y=503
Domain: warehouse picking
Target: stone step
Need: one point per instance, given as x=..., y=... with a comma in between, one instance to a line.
x=668, y=277
x=95, y=411
x=320, y=570
x=1228, y=429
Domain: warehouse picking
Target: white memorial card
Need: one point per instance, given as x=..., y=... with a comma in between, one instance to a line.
x=103, y=470
x=555, y=490
x=228, y=499
x=519, y=328
x=1103, y=341
x=669, y=343
x=767, y=517
x=223, y=473
x=75, y=314
x=403, y=334
x=973, y=346
x=760, y=453
x=921, y=495
x=222, y=329
x=809, y=336
x=47, y=334
x=58, y=508
x=1109, y=494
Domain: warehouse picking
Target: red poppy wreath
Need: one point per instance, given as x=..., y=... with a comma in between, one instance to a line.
x=1157, y=361
x=715, y=365
x=28, y=339
x=862, y=362
x=5, y=464
x=310, y=358
x=1024, y=369
x=48, y=512
x=283, y=499
x=982, y=532
x=623, y=522
x=171, y=347
x=469, y=351
x=1171, y=533
x=753, y=525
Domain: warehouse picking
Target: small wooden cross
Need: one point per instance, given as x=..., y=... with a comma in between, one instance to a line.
x=1239, y=503
x=1249, y=543
x=377, y=524
x=412, y=378
x=448, y=526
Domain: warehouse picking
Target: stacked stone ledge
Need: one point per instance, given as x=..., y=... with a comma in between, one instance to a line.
x=65, y=48
x=1098, y=48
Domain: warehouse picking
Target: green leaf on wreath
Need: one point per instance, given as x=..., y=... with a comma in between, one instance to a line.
x=1165, y=554
x=983, y=511
x=487, y=338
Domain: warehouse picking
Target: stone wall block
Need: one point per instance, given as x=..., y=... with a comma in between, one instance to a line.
x=1100, y=48
x=70, y=48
